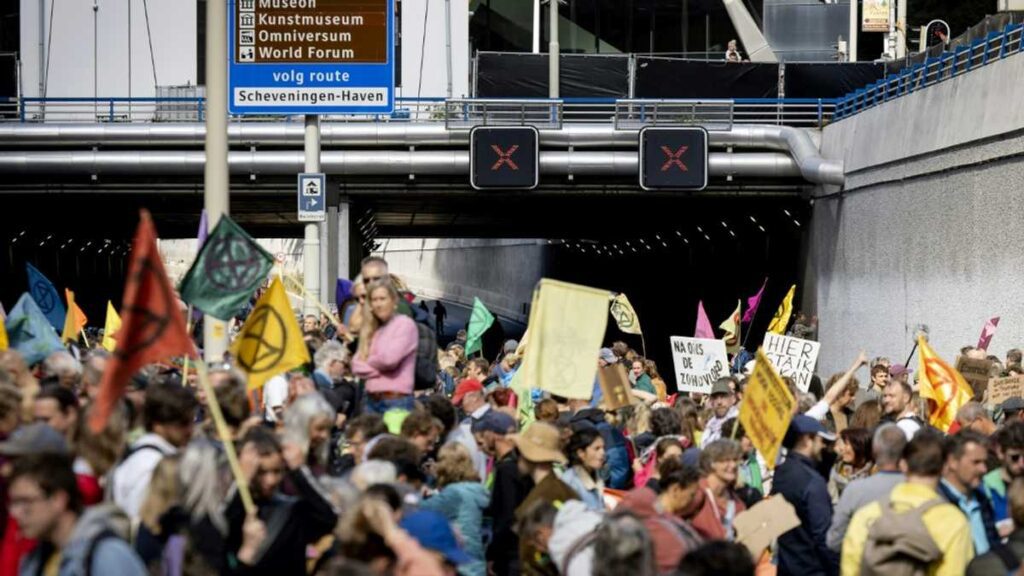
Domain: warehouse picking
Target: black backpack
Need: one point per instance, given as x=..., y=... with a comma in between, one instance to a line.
x=426, y=358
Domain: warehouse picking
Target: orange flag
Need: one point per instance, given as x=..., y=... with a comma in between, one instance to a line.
x=75, y=320
x=152, y=328
x=944, y=387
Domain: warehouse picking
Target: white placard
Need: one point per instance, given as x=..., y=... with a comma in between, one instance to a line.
x=792, y=357
x=698, y=363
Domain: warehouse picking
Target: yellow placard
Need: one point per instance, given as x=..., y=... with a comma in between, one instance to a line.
x=767, y=409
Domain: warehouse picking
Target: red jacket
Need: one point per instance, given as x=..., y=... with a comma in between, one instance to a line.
x=708, y=517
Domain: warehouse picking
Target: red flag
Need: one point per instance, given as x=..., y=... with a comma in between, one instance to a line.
x=152, y=329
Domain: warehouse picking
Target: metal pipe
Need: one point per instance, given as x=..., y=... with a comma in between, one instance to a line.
x=365, y=163
x=796, y=141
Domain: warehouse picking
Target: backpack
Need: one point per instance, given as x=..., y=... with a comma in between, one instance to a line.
x=426, y=358
x=898, y=543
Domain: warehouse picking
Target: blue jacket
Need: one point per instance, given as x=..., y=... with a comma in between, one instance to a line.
x=618, y=468
x=804, y=550
x=590, y=490
x=988, y=516
x=463, y=504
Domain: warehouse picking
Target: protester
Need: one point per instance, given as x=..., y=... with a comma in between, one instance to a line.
x=803, y=551
x=571, y=543
x=723, y=402
x=462, y=500
x=879, y=380
x=623, y=545
x=973, y=416
x=586, y=458
x=469, y=397
x=900, y=409
x=61, y=369
x=1006, y=559
x=867, y=416
x=57, y=407
x=168, y=417
x=853, y=461
x=307, y=422
x=960, y=485
x=944, y=546
x=717, y=505
x=646, y=468
x=1010, y=440
x=45, y=501
x=718, y=558
x=510, y=489
x=386, y=358
x=672, y=537
x=618, y=469
x=887, y=449
x=297, y=522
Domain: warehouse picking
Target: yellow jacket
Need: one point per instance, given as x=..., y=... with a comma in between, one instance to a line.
x=946, y=524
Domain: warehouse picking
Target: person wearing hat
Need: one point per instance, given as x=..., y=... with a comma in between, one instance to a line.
x=804, y=550
x=470, y=398
x=495, y=435
x=723, y=402
x=539, y=450
x=432, y=531
x=1013, y=410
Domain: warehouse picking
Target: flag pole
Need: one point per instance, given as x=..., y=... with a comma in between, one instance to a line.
x=82, y=331
x=188, y=329
x=754, y=316
x=225, y=436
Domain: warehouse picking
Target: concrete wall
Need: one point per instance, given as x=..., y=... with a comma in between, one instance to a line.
x=502, y=273
x=926, y=229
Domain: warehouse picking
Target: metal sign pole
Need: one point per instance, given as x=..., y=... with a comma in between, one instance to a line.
x=311, y=244
x=215, y=175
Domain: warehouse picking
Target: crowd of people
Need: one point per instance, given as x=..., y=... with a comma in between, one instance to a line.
x=388, y=455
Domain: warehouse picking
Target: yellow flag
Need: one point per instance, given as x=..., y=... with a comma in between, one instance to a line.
x=732, y=328
x=781, y=319
x=74, y=321
x=944, y=387
x=270, y=341
x=625, y=316
x=3, y=336
x=567, y=324
x=110, y=328
x=767, y=409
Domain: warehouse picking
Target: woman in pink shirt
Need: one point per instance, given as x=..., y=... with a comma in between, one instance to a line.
x=386, y=359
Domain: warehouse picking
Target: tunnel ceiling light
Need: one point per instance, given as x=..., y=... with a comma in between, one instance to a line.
x=786, y=212
x=752, y=219
x=797, y=222
x=665, y=245
x=699, y=229
x=679, y=233
x=731, y=233
x=657, y=236
x=761, y=227
x=622, y=253
x=724, y=225
x=708, y=238
x=687, y=241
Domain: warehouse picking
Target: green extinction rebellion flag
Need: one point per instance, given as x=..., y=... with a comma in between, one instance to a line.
x=480, y=320
x=228, y=269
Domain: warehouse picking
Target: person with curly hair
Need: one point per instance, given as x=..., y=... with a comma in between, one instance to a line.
x=461, y=499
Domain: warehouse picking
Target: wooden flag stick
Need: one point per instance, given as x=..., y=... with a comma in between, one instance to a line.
x=188, y=330
x=225, y=437
x=327, y=312
x=85, y=338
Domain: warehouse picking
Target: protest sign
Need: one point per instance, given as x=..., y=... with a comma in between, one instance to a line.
x=766, y=410
x=614, y=387
x=698, y=363
x=1002, y=389
x=792, y=357
x=976, y=372
x=759, y=526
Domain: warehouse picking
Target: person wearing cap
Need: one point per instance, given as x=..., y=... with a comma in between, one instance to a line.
x=494, y=433
x=804, y=550
x=470, y=398
x=539, y=450
x=899, y=372
x=1013, y=410
x=432, y=531
x=723, y=402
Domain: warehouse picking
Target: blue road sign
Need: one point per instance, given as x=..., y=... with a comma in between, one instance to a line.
x=311, y=56
x=312, y=197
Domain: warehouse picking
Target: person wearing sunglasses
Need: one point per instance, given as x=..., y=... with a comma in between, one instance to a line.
x=386, y=358
x=995, y=484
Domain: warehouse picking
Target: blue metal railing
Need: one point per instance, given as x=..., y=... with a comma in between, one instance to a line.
x=807, y=112
x=981, y=52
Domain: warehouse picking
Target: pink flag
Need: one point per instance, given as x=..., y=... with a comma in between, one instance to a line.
x=704, y=329
x=987, y=333
x=752, y=304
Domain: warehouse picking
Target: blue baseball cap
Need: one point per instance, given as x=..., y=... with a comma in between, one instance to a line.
x=495, y=421
x=802, y=424
x=433, y=532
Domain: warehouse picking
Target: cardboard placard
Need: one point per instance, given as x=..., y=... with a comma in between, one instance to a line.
x=976, y=372
x=1002, y=389
x=758, y=526
x=792, y=357
x=615, y=387
x=766, y=410
x=698, y=363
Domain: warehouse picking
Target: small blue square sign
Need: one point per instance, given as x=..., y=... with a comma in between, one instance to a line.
x=311, y=56
x=312, y=197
